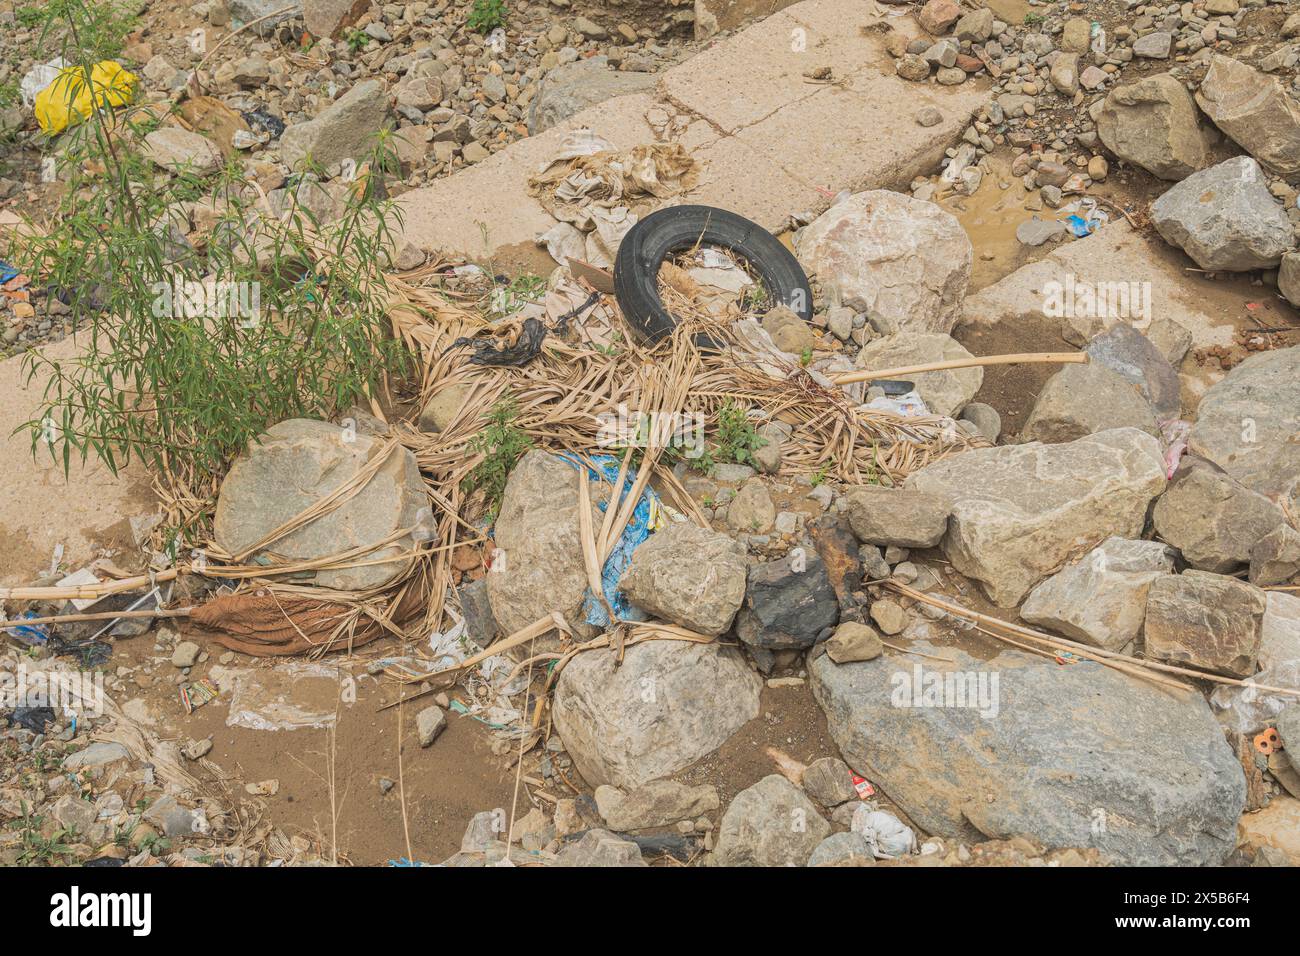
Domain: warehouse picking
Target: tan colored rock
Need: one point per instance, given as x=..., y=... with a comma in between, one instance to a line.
x=1082, y=400
x=1153, y=123
x=1255, y=110
x=1206, y=621
x=1020, y=512
x=944, y=392
x=1214, y=521
x=881, y=252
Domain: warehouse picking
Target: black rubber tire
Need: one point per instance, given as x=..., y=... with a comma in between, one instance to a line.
x=662, y=233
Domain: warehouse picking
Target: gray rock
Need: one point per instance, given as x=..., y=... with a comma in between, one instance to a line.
x=1154, y=46
x=1207, y=621
x=843, y=849
x=752, y=510
x=1170, y=338
x=985, y=418
x=1020, y=512
x=1131, y=355
x=1225, y=218
x=296, y=464
x=480, y=624
x=829, y=781
x=429, y=724
x=769, y=824
x=98, y=754
x=179, y=150
x=898, y=516
x=246, y=11
x=537, y=531
x=602, y=849
x=1212, y=519
x=945, y=392
x=1247, y=424
x=1255, y=110
x=902, y=259
x=658, y=803
x=1082, y=400
x=1101, y=599
x=1035, y=232
x=1288, y=278
x=345, y=130
x=1275, y=558
x=1279, y=640
x=326, y=18
x=688, y=575
x=571, y=88
x=667, y=705
x=1288, y=728
x=1154, y=123
x=788, y=602
x=186, y=654
x=1144, y=776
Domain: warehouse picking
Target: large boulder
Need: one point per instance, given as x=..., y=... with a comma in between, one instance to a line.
x=1207, y=621
x=1082, y=400
x=537, y=532
x=771, y=823
x=1101, y=599
x=1078, y=756
x=1255, y=110
x=1225, y=218
x=667, y=705
x=291, y=468
x=902, y=259
x=1153, y=123
x=1020, y=512
x=688, y=575
x=572, y=87
x=945, y=392
x=1249, y=424
x=1213, y=520
x=788, y=603
x=347, y=129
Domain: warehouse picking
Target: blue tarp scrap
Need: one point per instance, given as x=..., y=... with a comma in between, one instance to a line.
x=7, y=271
x=645, y=520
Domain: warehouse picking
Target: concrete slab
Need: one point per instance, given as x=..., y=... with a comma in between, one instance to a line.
x=40, y=508
x=772, y=141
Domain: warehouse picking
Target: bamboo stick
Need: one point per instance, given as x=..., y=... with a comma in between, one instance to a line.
x=1075, y=358
x=97, y=616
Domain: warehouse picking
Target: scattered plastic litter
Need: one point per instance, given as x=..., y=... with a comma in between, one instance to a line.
x=35, y=719
x=647, y=518
x=1173, y=440
x=69, y=96
x=887, y=835
x=38, y=78
x=1247, y=709
x=7, y=271
x=862, y=786
x=910, y=404
x=35, y=635
x=194, y=696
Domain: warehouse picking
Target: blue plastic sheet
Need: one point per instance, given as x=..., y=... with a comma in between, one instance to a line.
x=7, y=271
x=646, y=518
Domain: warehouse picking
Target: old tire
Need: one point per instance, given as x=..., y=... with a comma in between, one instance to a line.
x=662, y=233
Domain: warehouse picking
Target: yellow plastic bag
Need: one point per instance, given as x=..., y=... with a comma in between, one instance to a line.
x=68, y=96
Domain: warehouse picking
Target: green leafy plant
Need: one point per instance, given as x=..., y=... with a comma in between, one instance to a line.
x=37, y=849
x=501, y=443
x=356, y=39
x=191, y=352
x=819, y=476
x=1033, y=19
x=486, y=15
x=734, y=441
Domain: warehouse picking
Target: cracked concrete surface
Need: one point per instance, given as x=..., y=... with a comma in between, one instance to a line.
x=772, y=141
